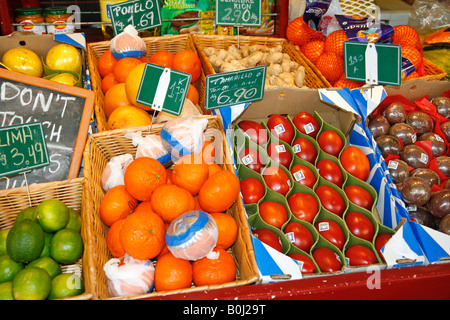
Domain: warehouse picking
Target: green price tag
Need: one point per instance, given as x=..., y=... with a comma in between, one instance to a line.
x=142, y=14
x=238, y=13
x=22, y=148
x=374, y=63
x=163, y=89
x=231, y=88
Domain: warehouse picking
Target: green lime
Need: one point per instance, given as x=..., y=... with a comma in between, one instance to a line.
x=66, y=285
x=74, y=220
x=31, y=283
x=6, y=291
x=51, y=266
x=66, y=246
x=27, y=213
x=25, y=241
x=8, y=268
x=46, y=251
x=3, y=236
x=52, y=215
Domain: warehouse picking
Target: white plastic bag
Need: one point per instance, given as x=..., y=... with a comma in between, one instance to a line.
x=150, y=146
x=114, y=171
x=189, y=110
x=128, y=44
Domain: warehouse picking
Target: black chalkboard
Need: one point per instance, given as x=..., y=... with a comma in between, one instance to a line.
x=65, y=113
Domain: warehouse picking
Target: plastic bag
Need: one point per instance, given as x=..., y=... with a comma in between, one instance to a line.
x=427, y=15
x=128, y=44
x=328, y=23
x=128, y=276
x=192, y=236
x=150, y=146
x=314, y=11
x=114, y=171
x=189, y=110
x=182, y=136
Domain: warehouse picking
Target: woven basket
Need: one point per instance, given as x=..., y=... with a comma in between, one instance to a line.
x=99, y=150
x=73, y=194
x=173, y=44
x=313, y=78
x=433, y=71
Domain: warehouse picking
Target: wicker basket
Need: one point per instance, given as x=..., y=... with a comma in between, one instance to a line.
x=313, y=78
x=173, y=44
x=433, y=71
x=73, y=194
x=104, y=145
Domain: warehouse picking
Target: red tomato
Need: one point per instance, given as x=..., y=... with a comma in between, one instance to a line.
x=303, y=175
x=330, y=171
x=268, y=237
x=252, y=190
x=359, y=255
x=303, y=206
x=355, y=162
x=381, y=241
x=360, y=225
x=254, y=130
x=273, y=213
x=308, y=265
x=276, y=179
x=305, y=150
x=327, y=260
x=331, y=231
x=299, y=235
x=279, y=153
x=306, y=124
x=331, y=200
x=280, y=127
x=330, y=142
x=252, y=159
x=359, y=196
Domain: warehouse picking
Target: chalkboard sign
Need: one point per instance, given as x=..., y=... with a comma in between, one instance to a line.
x=64, y=112
x=238, y=13
x=231, y=88
x=141, y=14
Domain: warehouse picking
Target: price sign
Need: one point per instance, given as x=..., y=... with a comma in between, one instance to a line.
x=386, y=60
x=231, y=88
x=166, y=94
x=22, y=148
x=238, y=13
x=142, y=14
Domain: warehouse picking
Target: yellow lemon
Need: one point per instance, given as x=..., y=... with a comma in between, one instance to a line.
x=24, y=61
x=64, y=57
x=65, y=78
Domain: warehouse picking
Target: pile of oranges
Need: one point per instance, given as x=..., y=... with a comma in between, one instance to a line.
x=121, y=79
x=139, y=213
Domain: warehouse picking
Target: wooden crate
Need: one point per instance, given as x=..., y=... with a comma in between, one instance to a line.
x=101, y=147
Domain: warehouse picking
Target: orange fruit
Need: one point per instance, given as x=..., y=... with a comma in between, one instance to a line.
x=413, y=75
x=142, y=235
x=170, y=201
x=165, y=249
x=172, y=273
x=197, y=204
x=142, y=176
x=335, y=42
x=117, y=203
x=188, y=61
x=144, y=206
x=128, y=116
x=192, y=94
x=214, y=168
x=313, y=50
x=190, y=172
x=227, y=227
x=406, y=35
x=144, y=59
x=105, y=64
x=345, y=83
x=113, y=241
x=169, y=172
x=208, y=151
x=214, y=271
x=219, y=191
x=123, y=67
x=298, y=32
x=413, y=55
x=108, y=82
x=331, y=66
x=132, y=84
x=162, y=58
x=114, y=98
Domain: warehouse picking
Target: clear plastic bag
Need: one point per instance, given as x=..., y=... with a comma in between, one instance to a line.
x=114, y=171
x=128, y=44
x=429, y=15
x=150, y=146
x=189, y=110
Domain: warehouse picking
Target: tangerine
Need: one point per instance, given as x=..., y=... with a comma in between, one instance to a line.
x=123, y=67
x=172, y=273
x=313, y=50
x=188, y=61
x=117, y=203
x=108, y=82
x=413, y=55
x=351, y=84
x=331, y=66
x=227, y=227
x=162, y=58
x=115, y=97
x=144, y=206
x=105, y=64
x=142, y=235
x=170, y=201
x=128, y=116
x=207, y=271
x=335, y=42
x=219, y=191
x=142, y=176
x=113, y=240
x=406, y=35
x=297, y=31
x=190, y=172
x=213, y=168
x=192, y=94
